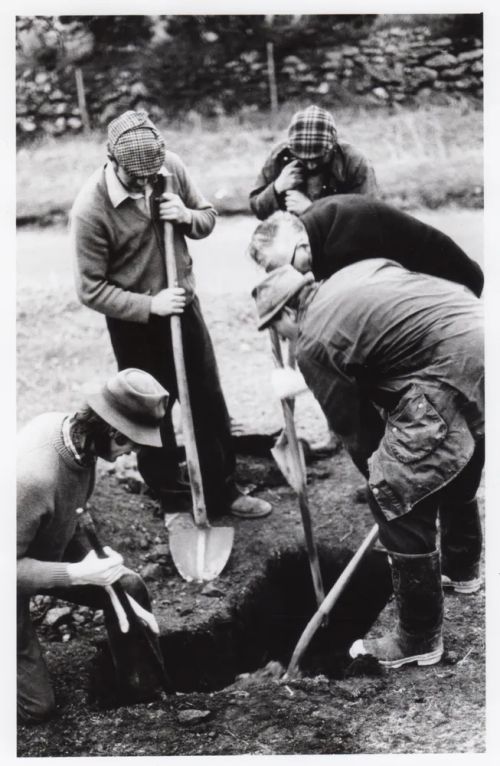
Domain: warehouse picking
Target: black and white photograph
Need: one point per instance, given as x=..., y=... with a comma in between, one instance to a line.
x=252, y=511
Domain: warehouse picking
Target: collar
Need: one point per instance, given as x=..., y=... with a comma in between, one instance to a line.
x=68, y=442
x=116, y=190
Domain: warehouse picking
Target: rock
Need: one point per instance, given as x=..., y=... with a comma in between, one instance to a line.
x=442, y=61
x=212, y=591
x=471, y=55
x=57, y=615
x=161, y=550
x=453, y=74
x=151, y=572
x=380, y=93
x=74, y=123
x=189, y=717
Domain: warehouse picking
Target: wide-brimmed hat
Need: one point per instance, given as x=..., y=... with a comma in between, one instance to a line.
x=134, y=403
x=312, y=133
x=136, y=144
x=276, y=289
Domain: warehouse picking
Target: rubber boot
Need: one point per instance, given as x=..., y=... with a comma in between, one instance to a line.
x=461, y=545
x=419, y=600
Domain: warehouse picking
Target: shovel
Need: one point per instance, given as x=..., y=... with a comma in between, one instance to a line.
x=138, y=641
x=327, y=605
x=290, y=460
x=199, y=551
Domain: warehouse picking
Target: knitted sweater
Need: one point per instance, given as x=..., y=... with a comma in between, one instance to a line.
x=51, y=485
x=118, y=251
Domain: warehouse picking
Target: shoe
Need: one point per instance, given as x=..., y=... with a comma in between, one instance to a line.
x=418, y=594
x=461, y=586
x=246, y=507
x=391, y=655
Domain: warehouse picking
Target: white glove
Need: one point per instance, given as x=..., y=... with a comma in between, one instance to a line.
x=287, y=382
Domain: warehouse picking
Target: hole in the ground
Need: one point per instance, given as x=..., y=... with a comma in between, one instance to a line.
x=268, y=623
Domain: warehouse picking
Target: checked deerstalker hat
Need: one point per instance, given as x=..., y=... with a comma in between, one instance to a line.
x=134, y=403
x=312, y=133
x=136, y=143
x=275, y=290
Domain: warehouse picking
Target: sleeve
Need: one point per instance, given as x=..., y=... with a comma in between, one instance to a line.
x=420, y=247
x=90, y=246
x=349, y=412
x=33, y=574
x=359, y=174
x=203, y=213
x=263, y=198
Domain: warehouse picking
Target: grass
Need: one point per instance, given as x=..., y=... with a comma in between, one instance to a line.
x=422, y=157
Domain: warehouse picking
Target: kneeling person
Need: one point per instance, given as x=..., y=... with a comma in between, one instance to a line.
x=395, y=359
x=56, y=461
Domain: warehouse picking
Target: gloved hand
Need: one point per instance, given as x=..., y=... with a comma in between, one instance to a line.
x=287, y=382
x=94, y=571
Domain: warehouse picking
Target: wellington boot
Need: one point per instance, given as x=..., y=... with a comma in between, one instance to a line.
x=419, y=601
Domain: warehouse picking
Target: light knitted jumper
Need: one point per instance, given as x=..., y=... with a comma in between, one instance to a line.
x=51, y=485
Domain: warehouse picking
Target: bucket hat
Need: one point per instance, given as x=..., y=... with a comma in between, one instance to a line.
x=134, y=403
x=136, y=144
x=276, y=289
x=312, y=133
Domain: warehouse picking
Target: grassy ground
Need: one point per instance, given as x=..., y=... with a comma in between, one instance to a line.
x=423, y=158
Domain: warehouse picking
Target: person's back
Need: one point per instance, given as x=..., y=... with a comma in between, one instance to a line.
x=377, y=314
x=348, y=228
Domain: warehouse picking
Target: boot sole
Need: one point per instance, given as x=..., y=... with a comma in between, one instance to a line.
x=467, y=587
x=431, y=658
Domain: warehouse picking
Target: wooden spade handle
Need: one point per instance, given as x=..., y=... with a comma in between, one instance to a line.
x=293, y=444
x=192, y=459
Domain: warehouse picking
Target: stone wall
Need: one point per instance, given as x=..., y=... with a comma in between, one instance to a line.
x=390, y=66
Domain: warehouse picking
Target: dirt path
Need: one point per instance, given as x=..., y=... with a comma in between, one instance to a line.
x=220, y=262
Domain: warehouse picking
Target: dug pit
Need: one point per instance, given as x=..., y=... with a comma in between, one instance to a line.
x=267, y=624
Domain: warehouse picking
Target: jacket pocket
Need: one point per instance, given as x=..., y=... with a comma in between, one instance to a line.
x=414, y=428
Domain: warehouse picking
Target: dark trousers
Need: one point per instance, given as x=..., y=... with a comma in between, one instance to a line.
x=35, y=696
x=460, y=526
x=149, y=347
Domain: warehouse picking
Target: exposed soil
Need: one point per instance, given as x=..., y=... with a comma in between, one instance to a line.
x=227, y=644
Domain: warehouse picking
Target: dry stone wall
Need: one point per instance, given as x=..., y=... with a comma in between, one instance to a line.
x=390, y=66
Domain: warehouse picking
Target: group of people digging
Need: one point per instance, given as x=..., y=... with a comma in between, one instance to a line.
x=384, y=317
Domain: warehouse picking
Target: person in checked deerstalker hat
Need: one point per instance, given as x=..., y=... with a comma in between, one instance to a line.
x=56, y=459
x=117, y=236
x=311, y=164
x=395, y=359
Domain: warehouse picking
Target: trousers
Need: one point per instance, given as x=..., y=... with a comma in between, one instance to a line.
x=149, y=347
x=456, y=507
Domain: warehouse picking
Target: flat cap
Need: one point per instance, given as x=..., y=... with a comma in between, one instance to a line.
x=136, y=144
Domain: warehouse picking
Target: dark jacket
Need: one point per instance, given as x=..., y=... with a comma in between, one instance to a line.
x=395, y=359
x=348, y=172
x=349, y=228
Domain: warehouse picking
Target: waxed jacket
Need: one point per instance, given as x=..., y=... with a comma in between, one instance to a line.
x=395, y=359
x=348, y=228
x=347, y=172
